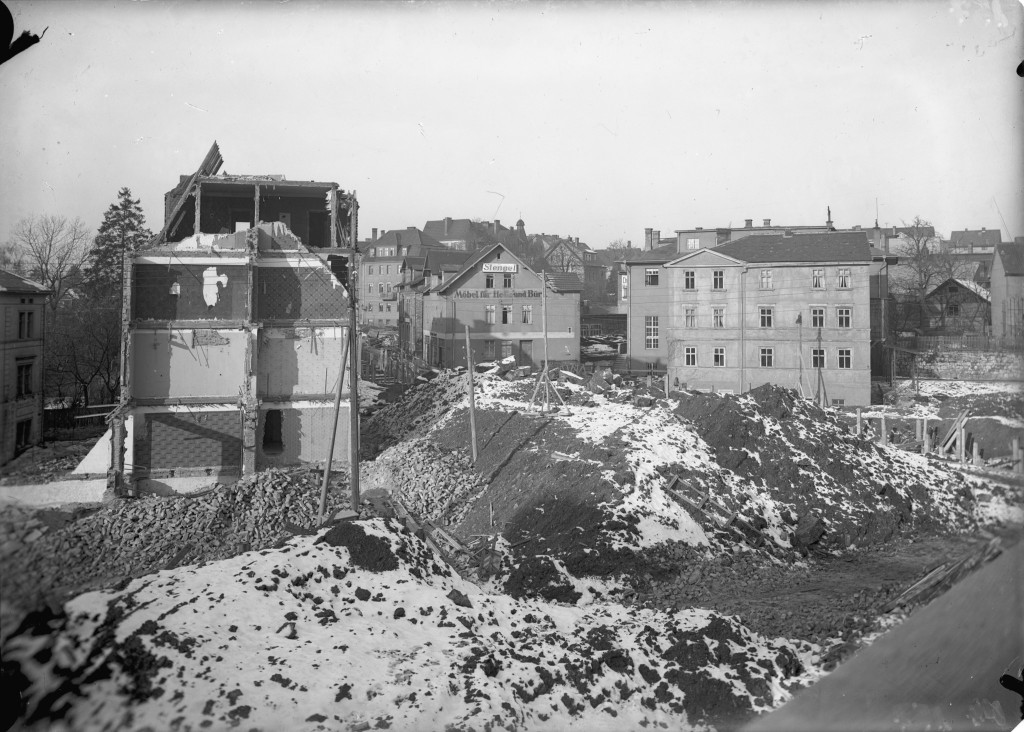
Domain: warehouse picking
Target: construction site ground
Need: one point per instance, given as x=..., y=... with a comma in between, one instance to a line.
x=842, y=538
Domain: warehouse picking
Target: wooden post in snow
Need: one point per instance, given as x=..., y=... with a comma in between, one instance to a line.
x=917, y=429
x=1017, y=466
x=472, y=401
x=860, y=427
x=976, y=456
x=961, y=450
x=883, y=439
x=927, y=446
x=544, y=316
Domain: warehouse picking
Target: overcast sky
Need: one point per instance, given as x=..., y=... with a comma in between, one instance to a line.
x=587, y=119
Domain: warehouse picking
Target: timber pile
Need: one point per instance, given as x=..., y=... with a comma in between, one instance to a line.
x=129, y=538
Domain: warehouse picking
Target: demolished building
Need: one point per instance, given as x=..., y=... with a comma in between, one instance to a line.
x=233, y=328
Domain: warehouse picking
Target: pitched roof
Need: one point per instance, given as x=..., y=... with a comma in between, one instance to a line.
x=836, y=246
x=412, y=237
x=462, y=230
x=10, y=282
x=967, y=285
x=564, y=282
x=1013, y=258
x=977, y=237
x=661, y=254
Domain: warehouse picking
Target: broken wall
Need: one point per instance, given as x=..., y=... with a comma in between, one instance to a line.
x=299, y=362
x=203, y=290
x=188, y=362
x=306, y=434
x=196, y=437
x=298, y=290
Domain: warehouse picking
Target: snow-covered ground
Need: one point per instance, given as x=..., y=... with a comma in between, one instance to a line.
x=365, y=632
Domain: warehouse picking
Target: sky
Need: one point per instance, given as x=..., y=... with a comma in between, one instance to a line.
x=593, y=120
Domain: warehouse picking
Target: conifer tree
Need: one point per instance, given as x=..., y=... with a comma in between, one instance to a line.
x=123, y=227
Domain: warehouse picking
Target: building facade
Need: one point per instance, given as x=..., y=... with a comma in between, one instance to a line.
x=502, y=301
x=22, y=336
x=380, y=273
x=792, y=310
x=1008, y=293
x=233, y=342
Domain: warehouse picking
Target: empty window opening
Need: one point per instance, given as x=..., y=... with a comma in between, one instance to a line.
x=272, y=432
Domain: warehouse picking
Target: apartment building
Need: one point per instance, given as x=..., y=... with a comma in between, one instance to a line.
x=380, y=273
x=22, y=335
x=233, y=337
x=787, y=309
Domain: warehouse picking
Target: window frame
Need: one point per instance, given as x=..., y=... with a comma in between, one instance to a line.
x=490, y=314
x=690, y=280
x=847, y=313
x=652, y=333
x=767, y=357
x=489, y=281
x=24, y=376
x=506, y=280
x=766, y=280
x=527, y=314
x=690, y=316
x=718, y=317
x=843, y=278
x=718, y=280
x=766, y=316
x=652, y=276
x=844, y=353
x=718, y=357
x=26, y=324
x=506, y=314
x=818, y=278
x=689, y=355
x=818, y=358
x=816, y=313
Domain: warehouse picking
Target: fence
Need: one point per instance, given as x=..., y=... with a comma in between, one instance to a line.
x=965, y=342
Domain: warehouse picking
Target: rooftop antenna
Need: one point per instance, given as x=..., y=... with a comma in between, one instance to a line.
x=1008, y=232
x=876, y=212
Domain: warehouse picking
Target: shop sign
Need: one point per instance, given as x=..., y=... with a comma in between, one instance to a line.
x=495, y=267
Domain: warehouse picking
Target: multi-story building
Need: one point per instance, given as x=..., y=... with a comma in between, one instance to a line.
x=1008, y=293
x=468, y=235
x=419, y=275
x=787, y=309
x=380, y=273
x=502, y=301
x=569, y=255
x=233, y=337
x=22, y=333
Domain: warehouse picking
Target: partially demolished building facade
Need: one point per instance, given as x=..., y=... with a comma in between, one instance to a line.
x=233, y=326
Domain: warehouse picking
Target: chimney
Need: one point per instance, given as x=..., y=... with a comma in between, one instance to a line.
x=374, y=235
x=497, y=225
x=648, y=233
x=629, y=244
x=680, y=242
x=700, y=228
x=767, y=222
x=982, y=229
x=447, y=223
x=749, y=223
x=787, y=233
x=578, y=239
x=656, y=239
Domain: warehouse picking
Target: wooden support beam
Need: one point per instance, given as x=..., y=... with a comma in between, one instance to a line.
x=199, y=190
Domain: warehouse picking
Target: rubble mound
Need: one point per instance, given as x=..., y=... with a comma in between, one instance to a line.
x=810, y=465
x=418, y=411
x=127, y=538
x=399, y=647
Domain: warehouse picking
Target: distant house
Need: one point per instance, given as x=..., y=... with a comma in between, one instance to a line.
x=787, y=309
x=1008, y=292
x=420, y=275
x=957, y=306
x=22, y=335
x=380, y=273
x=570, y=255
x=502, y=301
x=468, y=235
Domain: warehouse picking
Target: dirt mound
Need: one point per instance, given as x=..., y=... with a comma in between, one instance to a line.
x=367, y=552
x=809, y=462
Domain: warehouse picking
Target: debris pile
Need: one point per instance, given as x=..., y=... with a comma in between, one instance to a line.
x=128, y=538
x=361, y=629
x=434, y=484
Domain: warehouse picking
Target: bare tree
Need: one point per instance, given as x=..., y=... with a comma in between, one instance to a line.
x=53, y=250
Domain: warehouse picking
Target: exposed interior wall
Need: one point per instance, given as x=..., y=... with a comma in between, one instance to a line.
x=298, y=210
x=188, y=439
x=218, y=214
x=186, y=363
x=196, y=285
x=297, y=292
x=305, y=434
x=296, y=362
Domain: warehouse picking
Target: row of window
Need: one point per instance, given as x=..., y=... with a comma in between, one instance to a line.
x=506, y=280
x=766, y=317
x=382, y=287
x=491, y=313
x=765, y=281
x=844, y=357
x=382, y=269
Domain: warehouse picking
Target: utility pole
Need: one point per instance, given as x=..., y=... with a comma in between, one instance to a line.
x=353, y=381
x=472, y=400
x=544, y=316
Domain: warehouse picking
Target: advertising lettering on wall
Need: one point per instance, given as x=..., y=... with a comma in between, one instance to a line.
x=496, y=294
x=496, y=267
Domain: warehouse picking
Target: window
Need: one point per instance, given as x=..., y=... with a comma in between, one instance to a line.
x=624, y=286
x=369, y=270
x=719, y=279
x=380, y=288
x=369, y=289
x=689, y=280
x=817, y=317
x=527, y=313
x=953, y=309
x=845, y=358
x=693, y=243
x=489, y=313
x=718, y=317
x=507, y=281
x=389, y=269
x=506, y=349
x=651, y=276
x=272, y=432
x=389, y=287
x=380, y=307
x=489, y=281
x=838, y=402
x=388, y=307
x=843, y=317
x=766, y=317
x=843, y=278
x=719, y=357
x=652, y=369
x=766, y=279
x=488, y=349
x=817, y=278
x=817, y=358
x=23, y=384
x=690, y=356
x=691, y=317
x=767, y=358
x=506, y=314
x=26, y=324
x=650, y=331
